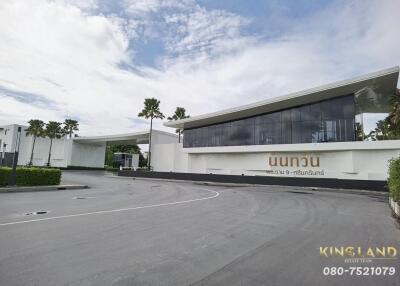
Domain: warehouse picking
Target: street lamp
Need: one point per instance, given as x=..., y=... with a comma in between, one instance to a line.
x=13, y=178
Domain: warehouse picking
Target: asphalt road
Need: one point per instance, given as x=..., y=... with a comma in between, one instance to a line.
x=137, y=232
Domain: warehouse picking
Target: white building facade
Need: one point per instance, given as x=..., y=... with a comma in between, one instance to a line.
x=71, y=152
x=325, y=132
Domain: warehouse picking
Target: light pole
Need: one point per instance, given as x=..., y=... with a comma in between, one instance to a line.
x=13, y=178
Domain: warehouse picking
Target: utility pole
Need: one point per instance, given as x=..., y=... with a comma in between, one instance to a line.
x=13, y=178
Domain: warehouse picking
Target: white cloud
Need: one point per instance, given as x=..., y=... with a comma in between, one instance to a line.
x=56, y=51
x=72, y=58
x=202, y=31
x=87, y=5
x=140, y=7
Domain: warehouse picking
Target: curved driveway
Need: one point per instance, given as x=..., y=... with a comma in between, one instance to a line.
x=245, y=236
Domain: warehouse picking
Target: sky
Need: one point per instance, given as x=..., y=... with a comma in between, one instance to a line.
x=97, y=60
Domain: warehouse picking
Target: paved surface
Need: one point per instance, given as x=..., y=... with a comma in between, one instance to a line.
x=133, y=232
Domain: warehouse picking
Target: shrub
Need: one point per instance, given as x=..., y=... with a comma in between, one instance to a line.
x=32, y=176
x=394, y=179
x=5, y=173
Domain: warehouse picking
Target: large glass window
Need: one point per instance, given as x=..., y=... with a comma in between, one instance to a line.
x=326, y=121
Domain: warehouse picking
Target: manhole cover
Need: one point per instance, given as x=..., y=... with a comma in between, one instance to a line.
x=37, y=213
x=82, y=198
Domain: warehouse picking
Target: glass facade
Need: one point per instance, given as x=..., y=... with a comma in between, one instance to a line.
x=326, y=121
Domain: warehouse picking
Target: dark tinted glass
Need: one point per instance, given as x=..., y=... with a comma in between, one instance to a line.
x=286, y=115
x=286, y=133
x=296, y=114
x=348, y=107
x=315, y=112
x=326, y=121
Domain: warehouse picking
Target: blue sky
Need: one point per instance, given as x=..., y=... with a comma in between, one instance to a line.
x=97, y=60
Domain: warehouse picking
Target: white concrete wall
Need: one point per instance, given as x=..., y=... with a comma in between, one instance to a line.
x=59, y=154
x=65, y=152
x=161, y=160
x=160, y=137
x=345, y=160
x=88, y=155
x=7, y=135
x=363, y=165
x=169, y=157
x=135, y=160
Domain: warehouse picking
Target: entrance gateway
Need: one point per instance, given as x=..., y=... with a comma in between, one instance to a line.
x=83, y=151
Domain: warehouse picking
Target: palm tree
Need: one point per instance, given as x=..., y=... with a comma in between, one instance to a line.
x=180, y=113
x=70, y=126
x=35, y=129
x=151, y=110
x=53, y=131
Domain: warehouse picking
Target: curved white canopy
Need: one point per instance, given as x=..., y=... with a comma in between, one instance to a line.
x=382, y=82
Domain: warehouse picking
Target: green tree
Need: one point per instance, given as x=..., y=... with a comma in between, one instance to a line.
x=180, y=113
x=383, y=130
x=389, y=128
x=70, y=126
x=151, y=110
x=35, y=129
x=53, y=131
x=359, y=132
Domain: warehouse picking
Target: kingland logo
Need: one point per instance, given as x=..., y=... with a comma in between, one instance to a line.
x=304, y=161
x=388, y=252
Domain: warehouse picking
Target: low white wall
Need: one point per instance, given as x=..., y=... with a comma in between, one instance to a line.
x=347, y=160
x=362, y=165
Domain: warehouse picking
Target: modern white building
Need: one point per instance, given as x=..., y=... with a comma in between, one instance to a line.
x=323, y=132
x=328, y=132
x=67, y=152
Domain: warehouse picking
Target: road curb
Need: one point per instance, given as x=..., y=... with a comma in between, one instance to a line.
x=42, y=188
x=395, y=207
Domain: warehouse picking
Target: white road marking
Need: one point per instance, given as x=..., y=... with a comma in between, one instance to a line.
x=216, y=194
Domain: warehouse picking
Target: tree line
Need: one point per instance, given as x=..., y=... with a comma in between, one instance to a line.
x=52, y=130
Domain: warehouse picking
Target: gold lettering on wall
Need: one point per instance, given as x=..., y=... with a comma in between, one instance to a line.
x=314, y=164
x=283, y=164
x=275, y=161
x=305, y=161
x=294, y=161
